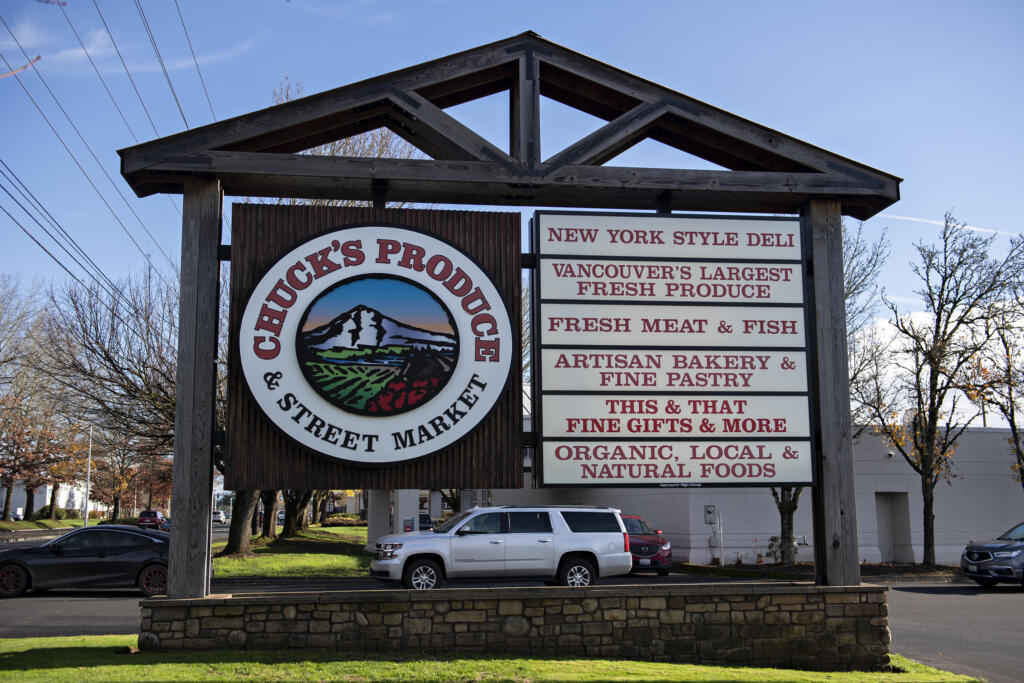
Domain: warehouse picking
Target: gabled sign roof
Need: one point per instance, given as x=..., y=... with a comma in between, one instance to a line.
x=257, y=154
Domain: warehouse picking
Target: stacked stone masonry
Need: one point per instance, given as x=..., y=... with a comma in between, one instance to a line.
x=793, y=626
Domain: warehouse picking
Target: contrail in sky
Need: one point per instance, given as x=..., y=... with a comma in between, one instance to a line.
x=931, y=222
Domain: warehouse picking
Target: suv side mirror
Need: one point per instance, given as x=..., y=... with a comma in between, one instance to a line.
x=657, y=531
x=462, y=531
x=56, y=549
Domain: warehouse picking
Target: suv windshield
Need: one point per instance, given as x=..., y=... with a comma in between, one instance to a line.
x=451, y=522
x=1014, y=534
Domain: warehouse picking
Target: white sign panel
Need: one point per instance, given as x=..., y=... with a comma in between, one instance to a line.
x=671, y=350
x=601, y=415
x=687, y=281
x=618, y=235
x=639, y=371
x=673, y=463
x=661, y=325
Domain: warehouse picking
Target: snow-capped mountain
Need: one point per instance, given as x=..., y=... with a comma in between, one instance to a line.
x=364, y=327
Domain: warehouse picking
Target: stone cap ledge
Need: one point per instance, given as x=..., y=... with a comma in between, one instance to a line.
x=509, y=593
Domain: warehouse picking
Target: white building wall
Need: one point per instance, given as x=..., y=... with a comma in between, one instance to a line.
x=68, y=497
x=981, y=501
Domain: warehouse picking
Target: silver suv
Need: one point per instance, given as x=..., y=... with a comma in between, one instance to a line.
x=571, y=545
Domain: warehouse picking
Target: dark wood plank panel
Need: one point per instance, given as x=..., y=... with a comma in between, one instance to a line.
x=260, y=457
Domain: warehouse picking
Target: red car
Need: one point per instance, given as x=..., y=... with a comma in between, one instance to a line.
x=651, y=550
x=152, y=519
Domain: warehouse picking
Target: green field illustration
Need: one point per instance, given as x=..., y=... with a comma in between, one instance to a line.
x=350, y=386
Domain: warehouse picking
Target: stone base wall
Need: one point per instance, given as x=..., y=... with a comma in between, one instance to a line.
x=779, y=625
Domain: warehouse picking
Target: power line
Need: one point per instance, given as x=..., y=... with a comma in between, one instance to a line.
x=167, y=76
x=31, y=199
x=98, y=75
x=48, y=252
x=126, y=71
x=116, y=296
x=95, y=158
x=194, y=60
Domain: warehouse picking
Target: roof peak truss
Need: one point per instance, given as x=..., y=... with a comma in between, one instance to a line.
x=257, y=154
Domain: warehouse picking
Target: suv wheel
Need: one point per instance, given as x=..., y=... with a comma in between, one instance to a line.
x=576, y=572
x=422, y=575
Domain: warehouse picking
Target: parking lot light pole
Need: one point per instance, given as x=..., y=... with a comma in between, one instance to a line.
x=88, y=477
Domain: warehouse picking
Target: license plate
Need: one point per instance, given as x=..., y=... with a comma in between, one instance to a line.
x=644, y=563
x=972, y=567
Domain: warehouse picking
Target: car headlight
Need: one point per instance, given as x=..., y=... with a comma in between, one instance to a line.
x=389, y=550
x=1008, y=553
x=666, y=546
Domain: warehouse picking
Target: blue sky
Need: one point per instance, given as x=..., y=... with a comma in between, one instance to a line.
x=928, y=91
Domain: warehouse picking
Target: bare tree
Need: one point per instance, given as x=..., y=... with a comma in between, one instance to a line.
x=115, y=356
x=996, y=378
x=918, y=405
x=862, y=264
x=18, y=314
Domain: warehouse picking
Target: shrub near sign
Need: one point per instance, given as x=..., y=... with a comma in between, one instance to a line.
x=673, y=350
x=375, y=344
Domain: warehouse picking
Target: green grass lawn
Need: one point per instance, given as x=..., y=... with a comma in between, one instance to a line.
x=113, y=658
x=42, y=524
x=319, y=552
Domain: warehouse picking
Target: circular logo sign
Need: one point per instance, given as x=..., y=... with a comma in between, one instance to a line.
x=375, y=344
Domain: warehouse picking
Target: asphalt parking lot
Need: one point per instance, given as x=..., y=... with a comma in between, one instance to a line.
x=954, y=626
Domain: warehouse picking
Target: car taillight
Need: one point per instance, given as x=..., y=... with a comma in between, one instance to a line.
x=625, y=538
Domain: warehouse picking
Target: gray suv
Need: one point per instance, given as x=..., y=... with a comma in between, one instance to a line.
x=570, y=545
x=996, y=560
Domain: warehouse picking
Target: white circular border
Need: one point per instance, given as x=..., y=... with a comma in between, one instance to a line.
x=493, y=374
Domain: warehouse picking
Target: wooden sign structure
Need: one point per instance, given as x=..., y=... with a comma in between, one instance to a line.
x=257, y=154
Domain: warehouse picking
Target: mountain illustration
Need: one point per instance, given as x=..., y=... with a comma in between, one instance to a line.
x=363, y=327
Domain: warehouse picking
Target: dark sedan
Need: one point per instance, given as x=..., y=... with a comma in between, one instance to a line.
x=999, y=560
x=108, y=556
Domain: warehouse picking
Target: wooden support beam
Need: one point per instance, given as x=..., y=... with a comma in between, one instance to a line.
x=460, y=142
x=189, y=559
x=258, y=174
x=524, y=112
x=610, y=140
x=835, y=519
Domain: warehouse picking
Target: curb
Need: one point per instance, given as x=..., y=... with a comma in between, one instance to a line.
x=33, y=534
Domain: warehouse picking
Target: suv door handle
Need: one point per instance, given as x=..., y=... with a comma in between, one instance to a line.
x=543, y=540
x=496, y=542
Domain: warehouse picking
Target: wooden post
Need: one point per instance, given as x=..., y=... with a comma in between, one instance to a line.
x=189, y=561
x=835, y=515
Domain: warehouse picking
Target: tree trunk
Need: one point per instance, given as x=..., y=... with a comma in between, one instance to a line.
x=241, y=512
x=117, y=509
x=269, y=499
x=295, y=502
x=322, y=508
x=30, y=502
x=928, y=493
x=255, y=517
x=787, y=499
x=8, y=499
x=53, y=501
